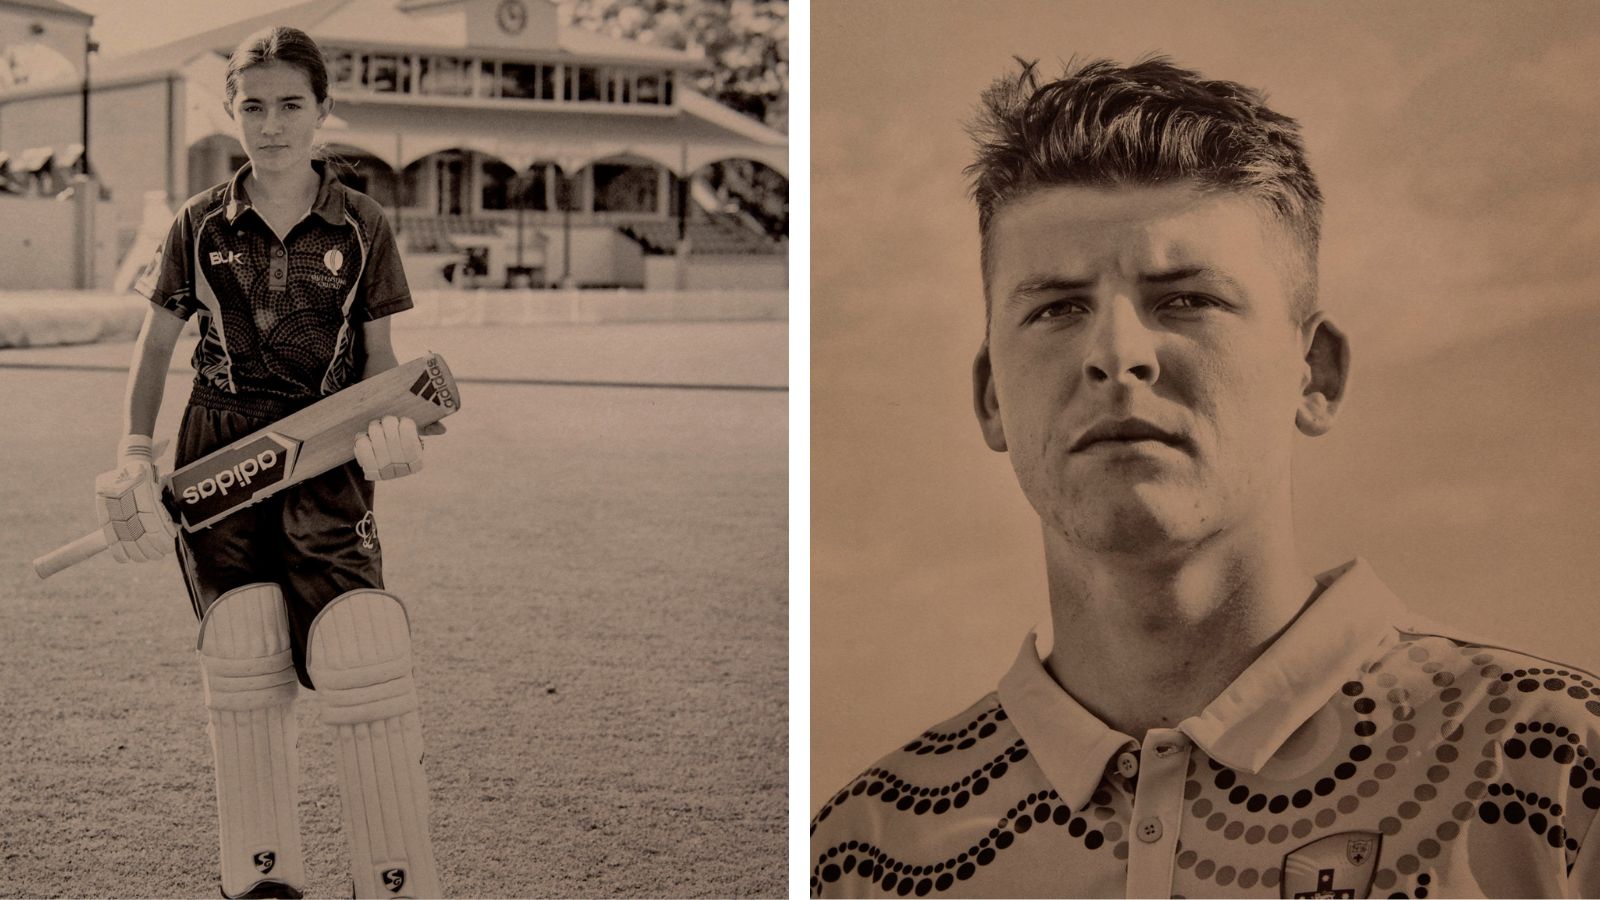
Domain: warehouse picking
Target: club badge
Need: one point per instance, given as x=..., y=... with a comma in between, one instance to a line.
x=1337, y=866
x=334, y=260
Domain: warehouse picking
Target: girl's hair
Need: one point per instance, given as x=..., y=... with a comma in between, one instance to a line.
x=279, y=44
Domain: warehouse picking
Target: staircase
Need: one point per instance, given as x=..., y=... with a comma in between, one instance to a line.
x=440, y=234
x=716, y=234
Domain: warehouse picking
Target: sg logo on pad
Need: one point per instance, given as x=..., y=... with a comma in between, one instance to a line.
x=394, y=879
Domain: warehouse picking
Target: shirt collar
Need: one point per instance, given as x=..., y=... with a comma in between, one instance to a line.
x=1242, y=728
x=329, y=203
x=1070, y=744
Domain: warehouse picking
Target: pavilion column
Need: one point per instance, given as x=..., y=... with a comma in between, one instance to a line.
x=680, y=184
x=681, y=252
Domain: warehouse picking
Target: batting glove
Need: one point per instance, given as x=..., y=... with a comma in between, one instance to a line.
x=128, y=503
x=391, y=448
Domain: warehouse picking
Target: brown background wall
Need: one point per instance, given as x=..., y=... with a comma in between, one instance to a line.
x=1454, y=142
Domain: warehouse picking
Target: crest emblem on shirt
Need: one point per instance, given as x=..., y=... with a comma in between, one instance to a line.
x=1358, y=850
x=334, y=260
x=1337, y=866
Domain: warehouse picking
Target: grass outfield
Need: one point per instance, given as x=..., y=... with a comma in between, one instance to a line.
x=597, y=578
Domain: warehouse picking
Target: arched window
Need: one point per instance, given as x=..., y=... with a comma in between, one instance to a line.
x=367, y=174
x=620, y=187
x=501, y=184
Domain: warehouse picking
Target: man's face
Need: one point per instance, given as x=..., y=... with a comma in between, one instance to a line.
x=1144, y=366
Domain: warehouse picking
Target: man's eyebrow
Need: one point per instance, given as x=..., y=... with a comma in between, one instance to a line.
x=1185, y=273
x=280, y=99
x=1028, y=288
x=1040, y=284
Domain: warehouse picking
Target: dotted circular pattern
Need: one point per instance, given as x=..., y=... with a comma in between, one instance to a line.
x=919, y=800
x=961, y=739
x=894, y=876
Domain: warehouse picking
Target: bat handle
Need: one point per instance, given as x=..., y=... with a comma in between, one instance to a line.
x=68, y=555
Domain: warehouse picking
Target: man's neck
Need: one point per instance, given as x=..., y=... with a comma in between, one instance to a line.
x=1148, y=643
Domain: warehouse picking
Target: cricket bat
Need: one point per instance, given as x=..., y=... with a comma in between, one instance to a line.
x=299, y=446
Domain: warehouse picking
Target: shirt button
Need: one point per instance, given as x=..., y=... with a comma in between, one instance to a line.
x=1128, y=765
x=278, y=253
x=1150, y=830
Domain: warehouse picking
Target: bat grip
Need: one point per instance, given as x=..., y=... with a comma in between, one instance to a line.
x=69, y=555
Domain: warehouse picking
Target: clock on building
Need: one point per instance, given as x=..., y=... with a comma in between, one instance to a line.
x=512, y=16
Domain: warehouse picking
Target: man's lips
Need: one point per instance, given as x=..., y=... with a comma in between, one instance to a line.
x=1128, y=431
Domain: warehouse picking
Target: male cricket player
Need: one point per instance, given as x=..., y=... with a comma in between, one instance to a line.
x=1213, y=720
x=294, y=277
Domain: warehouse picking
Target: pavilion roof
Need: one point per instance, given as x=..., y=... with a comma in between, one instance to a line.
x=52, y=6
x=377, y=22
x=199, y=59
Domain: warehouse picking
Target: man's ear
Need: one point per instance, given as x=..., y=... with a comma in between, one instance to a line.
x=227, y=107
x=1327, y=358
x=985, y=402
x=323, y=109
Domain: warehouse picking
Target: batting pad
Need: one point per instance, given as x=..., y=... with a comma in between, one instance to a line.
x=359, y=657
x=250, y=687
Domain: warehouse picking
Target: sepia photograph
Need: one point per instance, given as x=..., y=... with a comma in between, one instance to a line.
x=397, y=499
x=1203, y=474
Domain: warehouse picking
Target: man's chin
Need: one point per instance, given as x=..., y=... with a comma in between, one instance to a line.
x=1133, y=525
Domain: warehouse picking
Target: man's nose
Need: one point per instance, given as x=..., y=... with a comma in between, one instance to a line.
x=1122, y=348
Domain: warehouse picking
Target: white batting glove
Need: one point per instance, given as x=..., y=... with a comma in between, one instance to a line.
x=391, y=448
x=128, y=503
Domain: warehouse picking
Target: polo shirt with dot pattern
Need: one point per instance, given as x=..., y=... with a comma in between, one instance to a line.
x=1364, y=753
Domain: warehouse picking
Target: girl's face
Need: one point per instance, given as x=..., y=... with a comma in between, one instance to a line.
x=277, y=115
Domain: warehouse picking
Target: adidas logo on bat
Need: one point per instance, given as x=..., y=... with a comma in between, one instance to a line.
x=239, y=475
x=235, y=476
x=432, y=387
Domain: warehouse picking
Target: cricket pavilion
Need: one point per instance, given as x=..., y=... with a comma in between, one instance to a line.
x=508, y=148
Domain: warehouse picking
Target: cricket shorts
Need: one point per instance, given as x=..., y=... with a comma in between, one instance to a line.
x=316, y=540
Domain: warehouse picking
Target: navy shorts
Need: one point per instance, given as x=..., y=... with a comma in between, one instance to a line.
x=315, y=540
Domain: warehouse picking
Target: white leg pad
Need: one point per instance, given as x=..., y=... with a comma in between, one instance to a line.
x=250, y=687
x=359, y=657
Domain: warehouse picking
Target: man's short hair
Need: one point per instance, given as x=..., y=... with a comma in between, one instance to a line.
x=1105, y=125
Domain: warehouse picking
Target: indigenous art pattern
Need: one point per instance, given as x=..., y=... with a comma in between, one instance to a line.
x=1472, y=768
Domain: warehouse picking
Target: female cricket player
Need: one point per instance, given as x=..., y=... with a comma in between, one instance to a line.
x=294, y=277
